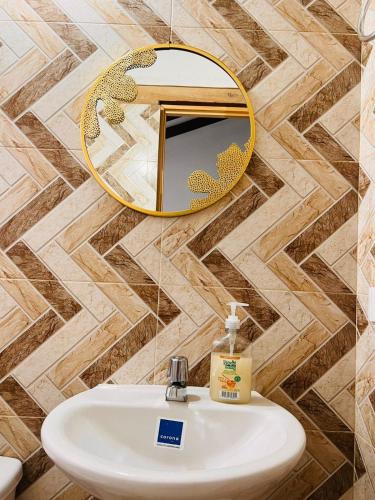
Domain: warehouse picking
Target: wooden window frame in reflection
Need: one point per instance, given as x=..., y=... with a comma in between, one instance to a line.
x=206, y=111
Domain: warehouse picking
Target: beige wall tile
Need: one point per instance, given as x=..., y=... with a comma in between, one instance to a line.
x=178, y=231
x=55, y=347
x=290, y=307
x=7, y=303
x=194, y=348
x=346, y=268
x=348, y=136
x=88, y=223
x=17, y=434
x=297, y=46
x=257, y=272
x=290, y=357
x=282, y=76
x=142, y=235
x=295, y=174
x=11, y=325
x=267, y=15
x=296, y=94
x=25, y=68
x=110, y=283
x=335, y=247
x=343, y=111
x=308, y=293
x=273, y=340
x=17, y=196
x=48, y=485
x=343, y=403
x=205, y=283
x=35, y=164
x=75, y=387
x=327, y=176
x=39, y=32
x=294, y=143
x=69, y=86
x=73, y=492
x=25, y=296
x=45, y=394
x=270, y=146
x=258, y=222
x=58, y=218
x=338, y=377
x=77, y=281
x=65, y=130
x=11, y=170
x=281, y=234
x=81, y=356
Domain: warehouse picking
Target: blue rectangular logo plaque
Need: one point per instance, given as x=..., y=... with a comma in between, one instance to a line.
x=170, y=432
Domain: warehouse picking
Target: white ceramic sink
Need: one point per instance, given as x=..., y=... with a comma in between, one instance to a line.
x=104, y=439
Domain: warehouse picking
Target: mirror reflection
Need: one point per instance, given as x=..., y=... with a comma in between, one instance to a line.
x=167, y=130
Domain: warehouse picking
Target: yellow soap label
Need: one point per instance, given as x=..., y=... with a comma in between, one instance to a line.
x=230, y=378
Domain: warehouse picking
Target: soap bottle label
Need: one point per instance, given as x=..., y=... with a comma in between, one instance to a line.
x=229, y=378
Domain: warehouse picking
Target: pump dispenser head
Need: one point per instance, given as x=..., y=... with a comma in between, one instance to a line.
x=233, y=321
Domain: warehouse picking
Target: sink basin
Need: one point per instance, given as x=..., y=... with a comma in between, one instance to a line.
x=105, y=440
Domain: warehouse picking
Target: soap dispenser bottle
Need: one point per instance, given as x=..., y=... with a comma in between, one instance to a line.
x=230, y=377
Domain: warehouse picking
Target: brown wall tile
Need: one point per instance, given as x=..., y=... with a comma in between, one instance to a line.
x=349, y=170
x=336, y=485
x=328, y=281
x=329, y=17
x=227, y=221
x=64, y=27
x=241, y=289
x=30, y=340
x=321, y=414
x=327, y=96
x=35, y=210
x=300, y=485
x=250, y=31
x=116, y=229
x=44, y=281
x=320, y=362
x=37, y=465
x=263, y=176
x=323, y=227
x=254, y=72
x=52, y=149
x=327, y=146
x=19, y=400
x=149, y=19
x=29, y=263
x=127, y=267
x=40, y=84
x=199, y=375
x=121, y=352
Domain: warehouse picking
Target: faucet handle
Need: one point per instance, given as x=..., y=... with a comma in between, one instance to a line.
x=178, y=370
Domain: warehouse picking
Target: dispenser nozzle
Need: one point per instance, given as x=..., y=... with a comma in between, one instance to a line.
x=233, y=321
x=234, y=305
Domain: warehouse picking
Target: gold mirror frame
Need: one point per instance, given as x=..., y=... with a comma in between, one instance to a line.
x=246, y=155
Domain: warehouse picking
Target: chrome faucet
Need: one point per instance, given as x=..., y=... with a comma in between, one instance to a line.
x=178, y=377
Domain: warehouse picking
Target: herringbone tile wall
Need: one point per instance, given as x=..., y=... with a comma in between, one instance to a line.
x=365, y=349
x=94, y=292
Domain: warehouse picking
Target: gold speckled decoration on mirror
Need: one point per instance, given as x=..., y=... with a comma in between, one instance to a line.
x=111, y=85
x=167, y=129
x=229, y=166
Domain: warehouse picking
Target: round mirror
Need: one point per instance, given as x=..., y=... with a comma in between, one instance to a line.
x=167, y=129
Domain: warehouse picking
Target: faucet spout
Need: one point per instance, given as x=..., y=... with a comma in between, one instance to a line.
x=178, y=377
